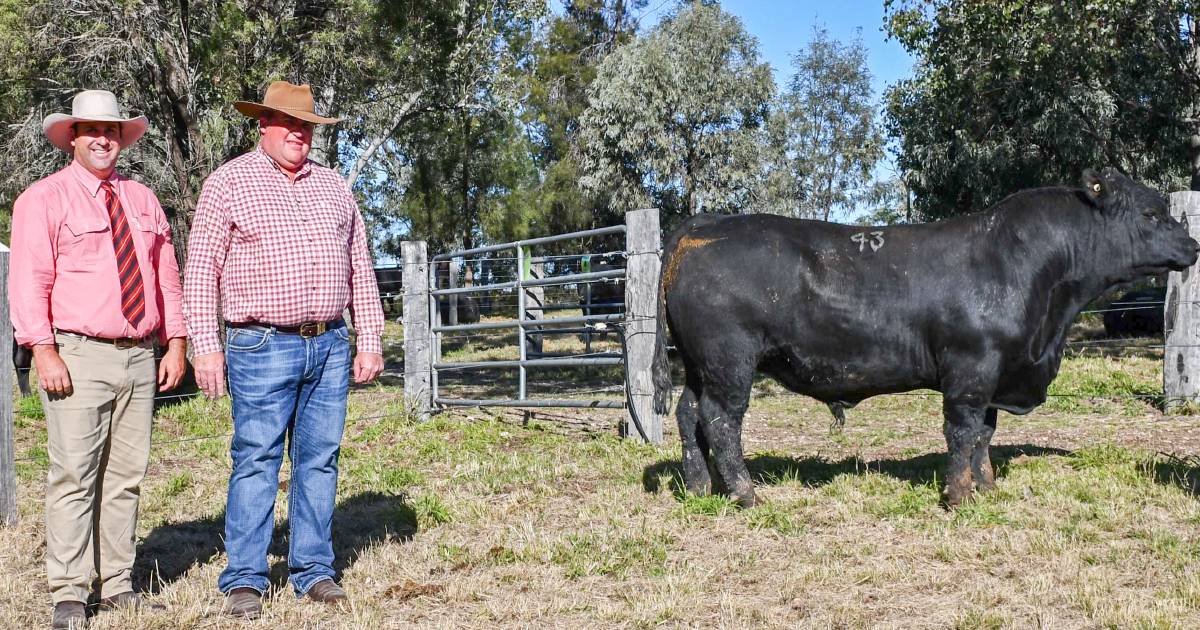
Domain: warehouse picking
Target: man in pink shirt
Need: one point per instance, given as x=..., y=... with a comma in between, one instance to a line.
x=93, y=285
x=279, y=243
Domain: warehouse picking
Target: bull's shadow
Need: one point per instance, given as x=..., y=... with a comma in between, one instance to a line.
x=360, y=522
x=768, y=470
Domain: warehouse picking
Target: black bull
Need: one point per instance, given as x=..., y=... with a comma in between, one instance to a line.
x=976, y=307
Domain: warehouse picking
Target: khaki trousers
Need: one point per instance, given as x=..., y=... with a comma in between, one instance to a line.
x=99, y=444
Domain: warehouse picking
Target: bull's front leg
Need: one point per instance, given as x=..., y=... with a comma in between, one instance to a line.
x=981, y=460
x=964, y=425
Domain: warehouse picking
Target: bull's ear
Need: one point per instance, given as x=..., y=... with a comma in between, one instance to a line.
x=1094, y=185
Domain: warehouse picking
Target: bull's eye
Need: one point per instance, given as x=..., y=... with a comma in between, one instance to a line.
x=1153, y=216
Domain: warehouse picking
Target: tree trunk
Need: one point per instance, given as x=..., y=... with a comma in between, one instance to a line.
x=468, y=202
x=165, y=60
x=403, y=113
x=1194, y=140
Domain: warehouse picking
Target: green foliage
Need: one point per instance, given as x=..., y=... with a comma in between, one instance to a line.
x=827, y=116
x=1012, y=94
x=676, y=119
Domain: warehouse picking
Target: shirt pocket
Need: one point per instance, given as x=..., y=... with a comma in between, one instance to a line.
x=83, y=244
x=147, y=228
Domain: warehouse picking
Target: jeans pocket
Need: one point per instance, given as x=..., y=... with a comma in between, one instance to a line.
x=343, y=332
x=247, y=339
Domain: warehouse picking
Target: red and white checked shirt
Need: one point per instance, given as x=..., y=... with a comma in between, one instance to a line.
x=278, y=251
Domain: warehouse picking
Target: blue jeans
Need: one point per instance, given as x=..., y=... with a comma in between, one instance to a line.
x=284, y=384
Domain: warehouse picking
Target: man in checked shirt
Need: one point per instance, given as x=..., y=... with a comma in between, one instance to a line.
x=279, y=242
x=94, y=285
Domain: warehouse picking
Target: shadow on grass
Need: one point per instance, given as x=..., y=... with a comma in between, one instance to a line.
x=1180, y=471
x=769, y=470
x=360, y=522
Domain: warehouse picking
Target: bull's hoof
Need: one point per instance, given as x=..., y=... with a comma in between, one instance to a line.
x=698, y=488
x=955, y=499
x=745, y=497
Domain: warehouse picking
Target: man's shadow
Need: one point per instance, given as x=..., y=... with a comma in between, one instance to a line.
x=814, y=471
x=360, y=522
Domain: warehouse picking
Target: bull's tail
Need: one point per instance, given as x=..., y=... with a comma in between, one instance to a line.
x=661, y=367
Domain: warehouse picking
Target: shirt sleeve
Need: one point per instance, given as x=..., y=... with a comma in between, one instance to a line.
x=207, y=245
x=365, y=307
x=31, y=272
x=168, y=281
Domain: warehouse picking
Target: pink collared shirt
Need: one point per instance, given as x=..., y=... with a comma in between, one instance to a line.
x=63, y=271
x=272, y=250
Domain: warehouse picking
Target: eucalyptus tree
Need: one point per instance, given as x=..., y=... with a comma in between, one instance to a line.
x=1014, y=93
x=831, y=141
x=566, y=57
x=676, y=118
x=381, y=64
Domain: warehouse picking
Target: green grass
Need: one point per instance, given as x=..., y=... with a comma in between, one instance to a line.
x=29, y=408
x=619, y=556
x=474, y=519
x=1130, y=386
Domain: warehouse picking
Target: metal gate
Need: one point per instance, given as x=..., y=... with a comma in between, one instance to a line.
x=635, y=328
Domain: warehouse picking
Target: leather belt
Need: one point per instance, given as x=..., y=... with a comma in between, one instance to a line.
x=307, y=329
x=122, y=343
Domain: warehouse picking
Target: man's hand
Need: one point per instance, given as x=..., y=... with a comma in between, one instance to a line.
x=210, y=373
x=52, y=372
x=367, y=366
x=172, y=365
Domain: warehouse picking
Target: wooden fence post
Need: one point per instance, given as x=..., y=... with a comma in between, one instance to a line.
x=642, y=244
x=418, y=342
x=1181, y=319
x=8, y=471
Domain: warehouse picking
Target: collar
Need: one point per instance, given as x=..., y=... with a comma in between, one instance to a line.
x=90, y=182
x=305, y=168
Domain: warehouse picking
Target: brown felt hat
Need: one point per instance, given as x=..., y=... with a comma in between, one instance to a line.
x=283, y=97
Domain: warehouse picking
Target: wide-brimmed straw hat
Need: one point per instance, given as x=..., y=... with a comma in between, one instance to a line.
x=92, y=105
x=283, y=97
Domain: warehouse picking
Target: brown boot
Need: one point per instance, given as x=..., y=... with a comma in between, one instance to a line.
x=327, y=592
x=129, y=599
x=243, y=602
x=69, y=616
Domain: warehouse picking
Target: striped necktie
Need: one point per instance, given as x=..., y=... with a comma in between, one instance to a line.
x=133, y=297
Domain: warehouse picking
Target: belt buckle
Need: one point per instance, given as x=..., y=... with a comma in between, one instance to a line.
x=126, y=343
x=312, y=329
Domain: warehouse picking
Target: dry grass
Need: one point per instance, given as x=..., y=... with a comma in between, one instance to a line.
x=476, y=519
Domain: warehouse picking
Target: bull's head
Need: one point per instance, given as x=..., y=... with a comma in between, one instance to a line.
x=1141, y=223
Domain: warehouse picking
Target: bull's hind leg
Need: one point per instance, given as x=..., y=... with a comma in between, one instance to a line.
x=722, y=407
x=981, y=460
x=696, y=477
x=963, y=428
